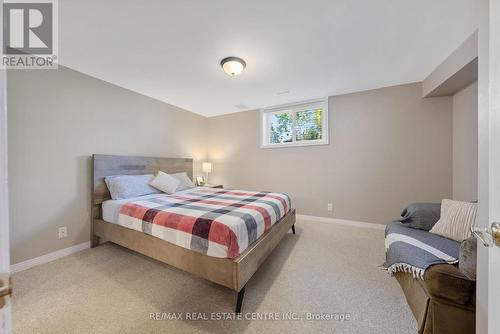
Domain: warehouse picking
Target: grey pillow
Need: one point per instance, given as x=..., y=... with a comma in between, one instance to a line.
x=186, y=182
x=128, y=186
x=182, y=188
x=421, y=216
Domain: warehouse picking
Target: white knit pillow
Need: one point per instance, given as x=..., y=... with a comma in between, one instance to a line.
x=456, y=220
x=165, y=182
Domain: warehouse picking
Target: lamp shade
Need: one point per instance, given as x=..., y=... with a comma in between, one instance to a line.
x=206, y=167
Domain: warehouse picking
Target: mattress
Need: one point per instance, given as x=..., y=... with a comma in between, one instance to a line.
x=216, y=222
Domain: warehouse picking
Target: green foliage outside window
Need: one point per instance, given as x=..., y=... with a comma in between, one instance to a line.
x=308, y=126
x=281, y=128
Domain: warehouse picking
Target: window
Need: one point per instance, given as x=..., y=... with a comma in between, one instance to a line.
x=296, y=124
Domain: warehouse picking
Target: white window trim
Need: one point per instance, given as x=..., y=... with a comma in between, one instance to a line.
x=264, y=133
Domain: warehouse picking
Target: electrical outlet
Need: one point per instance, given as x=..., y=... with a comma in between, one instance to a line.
x=63, y=232
x=330, y=207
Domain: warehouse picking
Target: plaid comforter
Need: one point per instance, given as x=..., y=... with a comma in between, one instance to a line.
x=216, y=222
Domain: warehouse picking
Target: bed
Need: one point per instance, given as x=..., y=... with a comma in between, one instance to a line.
x=125, y=222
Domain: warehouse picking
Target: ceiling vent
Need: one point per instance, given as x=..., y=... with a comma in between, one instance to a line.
x=241, y=106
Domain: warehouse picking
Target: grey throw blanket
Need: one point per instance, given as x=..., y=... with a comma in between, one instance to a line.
x=412, y=250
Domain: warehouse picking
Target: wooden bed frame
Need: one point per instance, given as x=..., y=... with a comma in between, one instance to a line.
x=231, y=273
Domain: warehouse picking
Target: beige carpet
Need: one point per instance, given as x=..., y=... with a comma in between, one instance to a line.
x=323, y=268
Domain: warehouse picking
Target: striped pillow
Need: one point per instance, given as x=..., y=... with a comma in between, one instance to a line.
x=456, y=220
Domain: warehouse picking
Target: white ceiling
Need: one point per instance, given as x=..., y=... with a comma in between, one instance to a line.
x=170, y=50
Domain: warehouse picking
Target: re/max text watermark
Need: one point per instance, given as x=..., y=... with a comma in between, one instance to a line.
x=250, y=316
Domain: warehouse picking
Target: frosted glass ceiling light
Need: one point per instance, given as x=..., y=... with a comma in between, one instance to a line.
x=233, y=65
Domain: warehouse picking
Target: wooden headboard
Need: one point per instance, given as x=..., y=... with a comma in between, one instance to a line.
x=105, y=165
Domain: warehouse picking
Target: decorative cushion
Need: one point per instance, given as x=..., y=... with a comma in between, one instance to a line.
x=468, y=257
x=185, y=181
x=456, y=220
x=165, y=182
x=128, y=186
x=422, y=216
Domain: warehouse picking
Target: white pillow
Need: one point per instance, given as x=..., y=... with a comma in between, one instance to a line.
x=165, y=182
x=184, y=179
x=127, y=186
x=456, y=220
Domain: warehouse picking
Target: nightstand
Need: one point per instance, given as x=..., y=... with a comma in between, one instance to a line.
x=208, y=185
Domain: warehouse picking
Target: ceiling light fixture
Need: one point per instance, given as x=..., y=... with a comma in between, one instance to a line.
x=233, y=65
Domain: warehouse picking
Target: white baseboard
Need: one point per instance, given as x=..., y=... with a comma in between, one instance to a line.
x=341, y=222
x=48, y=257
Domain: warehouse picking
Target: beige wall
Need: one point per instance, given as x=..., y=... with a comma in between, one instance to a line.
x=388, y=147
x=57, y=119
x=465, y=144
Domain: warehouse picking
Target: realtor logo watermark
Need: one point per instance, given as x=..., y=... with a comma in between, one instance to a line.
x=30, y=38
